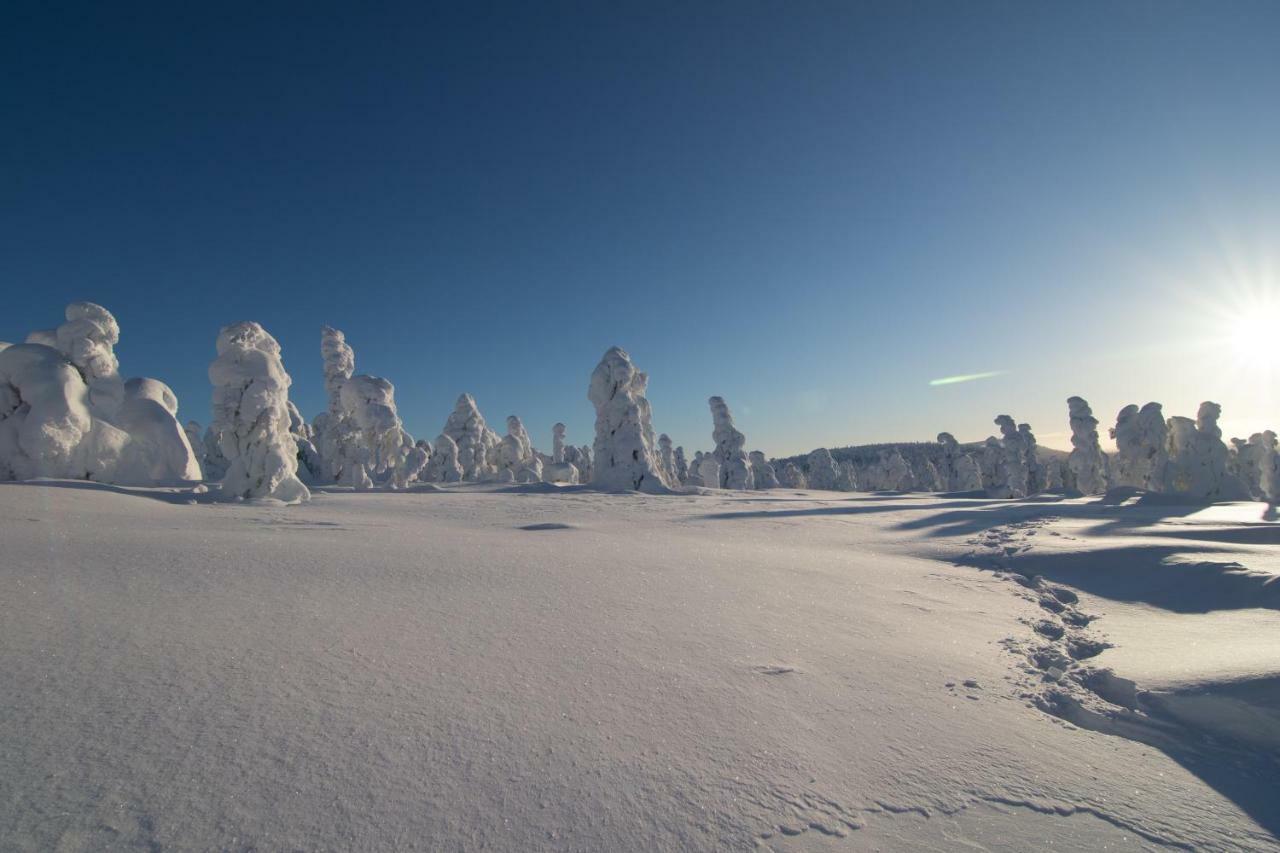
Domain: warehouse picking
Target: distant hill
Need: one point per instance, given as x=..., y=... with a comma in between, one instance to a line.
x=863, y=455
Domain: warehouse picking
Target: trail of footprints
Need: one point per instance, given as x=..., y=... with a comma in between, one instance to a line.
x=1056, y=676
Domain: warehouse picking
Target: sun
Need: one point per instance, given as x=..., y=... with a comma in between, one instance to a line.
x=1251, y=333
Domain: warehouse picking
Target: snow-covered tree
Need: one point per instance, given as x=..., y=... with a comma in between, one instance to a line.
x=1270, y=465
x=1087, y=463
x=64, y=411
x=215, y=463
x=580, y=458
x=159, y=450
x=822, y=469
x=1054, y=474
x=1248, y=463
x=667, y=456
x=251, y=416
x=968, y=474
x=991, y=461
x=625, y=453
x=847, y=481
x=516, y=454
x=1035, y=468
x=792, y=477
x=443, y=466
x=1197, y=457
x=761, y=470
x=384, y=448
x=1013, y=478
x=681, y=466
x=896, y=474
x=560, y=469
x=695, y=470
x=952, y=458
x=709, y=471
x=477, y=444
x=337, y=437
x=195, y=437
x=88, y=339
x=730, y=452
x=928, y=479
x=557, y=443
x=46, y=428
x=1142, y=448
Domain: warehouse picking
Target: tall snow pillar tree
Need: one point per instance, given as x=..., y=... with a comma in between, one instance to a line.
x=1087, y=463
x=735, y=465
x=625, y=450
x=251, y=416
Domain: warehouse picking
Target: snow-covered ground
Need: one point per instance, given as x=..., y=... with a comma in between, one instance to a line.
x=533, y=667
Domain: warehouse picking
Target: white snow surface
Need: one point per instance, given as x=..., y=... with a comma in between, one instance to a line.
x=535, y=668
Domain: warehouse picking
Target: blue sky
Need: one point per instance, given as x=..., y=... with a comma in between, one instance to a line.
x=811, y=209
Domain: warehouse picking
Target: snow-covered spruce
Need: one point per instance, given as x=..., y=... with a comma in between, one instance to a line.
x=580, y=459
x=443, y=466
x=1248, y=463
x=625, y=451
x=88, y=340
x=694, y=477
x=927, y=476
x=311, y=470
x=730, y=452
x=792, y=477
x=516, y=455
x=822, y=469
x=385, y=450
x=560, y=469
x=195, y=437
x=337, y=435
x=1087, y=464
x=709, y=471
x=890, y=472
x=1031, y=458
x=251, y=416
x=848, y=479
x=1012, y=479
x=968, y=475
x=1269, y=462
x=1142, y=454
x=215, y=463
x=1197, y=459
x=761, y=470
x=159, y=450
x=681, y=466
x=667, y=457
x=477, y=443
x=46, y=429
x=950, y=454
x=989, y=460
x=557, y=443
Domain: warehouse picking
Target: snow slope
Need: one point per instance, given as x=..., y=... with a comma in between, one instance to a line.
x=532, y=667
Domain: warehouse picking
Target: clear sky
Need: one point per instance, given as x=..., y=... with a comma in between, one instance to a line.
x=812, y=209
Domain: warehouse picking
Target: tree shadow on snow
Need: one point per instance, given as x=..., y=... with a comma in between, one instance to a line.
x=842, y=509
x=1112, y=517
x=1149, y=574
x=178, y=494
